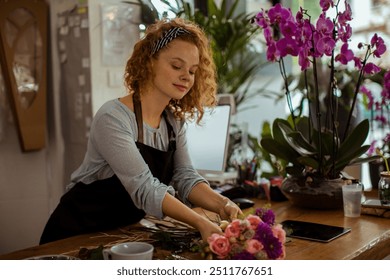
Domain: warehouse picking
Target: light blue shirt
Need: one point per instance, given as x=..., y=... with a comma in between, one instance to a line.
x=112, y=150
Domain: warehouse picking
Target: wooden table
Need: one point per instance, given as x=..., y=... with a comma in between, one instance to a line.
x=368, y=239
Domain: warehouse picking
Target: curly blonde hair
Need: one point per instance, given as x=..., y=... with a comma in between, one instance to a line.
x=139, y=68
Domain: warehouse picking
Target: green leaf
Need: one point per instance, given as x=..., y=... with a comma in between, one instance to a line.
x=346, y=160
x=280, y=151
x=309, y=161
x=296, y=140
x=353, y=143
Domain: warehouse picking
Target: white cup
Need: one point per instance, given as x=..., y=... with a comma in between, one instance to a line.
x=129, y=251
x=352, y=199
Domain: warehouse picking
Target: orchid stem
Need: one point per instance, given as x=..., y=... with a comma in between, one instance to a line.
x=378, y=151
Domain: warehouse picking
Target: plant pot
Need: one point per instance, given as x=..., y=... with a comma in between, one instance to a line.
x=314, y=193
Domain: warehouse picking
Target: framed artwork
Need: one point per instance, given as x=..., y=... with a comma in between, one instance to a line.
x=23, y=56
x=120, y=31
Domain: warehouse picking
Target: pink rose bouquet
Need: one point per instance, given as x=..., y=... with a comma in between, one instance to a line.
x=254, y=237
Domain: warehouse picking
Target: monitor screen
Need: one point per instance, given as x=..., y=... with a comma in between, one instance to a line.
x=208, y=142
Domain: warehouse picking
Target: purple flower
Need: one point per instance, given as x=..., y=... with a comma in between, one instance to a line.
x=345, y=16
x=266, y=215
x=325, y=45
x=289, y=28
x=303, y=60
x=268, y=36
x=326, y=4
x=278, y=13
x=379, y=45
x=324, y=25
x=244, y=255
x=287, y=46
x=370, y=68
x=272, y=52
x=272, y=245
x=345, y=55
x=371, y=150
x=358, y=63
x=261, y=20
x=327, y=38
x=269, y=217
x=345, y=33
x=369, y=96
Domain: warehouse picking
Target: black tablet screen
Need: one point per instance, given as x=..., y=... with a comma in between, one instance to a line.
x=313, y=231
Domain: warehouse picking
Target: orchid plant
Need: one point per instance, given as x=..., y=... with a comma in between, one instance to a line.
x=378, y=105
x=314, y=144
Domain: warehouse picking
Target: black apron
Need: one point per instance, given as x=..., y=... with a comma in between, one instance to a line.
x=105, y=204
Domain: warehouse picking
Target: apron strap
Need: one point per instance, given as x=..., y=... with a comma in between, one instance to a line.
x=138, y=117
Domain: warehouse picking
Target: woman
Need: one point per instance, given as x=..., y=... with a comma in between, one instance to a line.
x=137, y=161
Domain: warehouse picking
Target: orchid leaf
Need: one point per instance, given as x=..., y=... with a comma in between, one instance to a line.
x=281, y=151
x=309, y=161
x=296, y=140
x=346, y=160
x=354, y=141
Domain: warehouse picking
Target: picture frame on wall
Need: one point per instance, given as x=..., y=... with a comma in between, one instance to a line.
x=120, y=32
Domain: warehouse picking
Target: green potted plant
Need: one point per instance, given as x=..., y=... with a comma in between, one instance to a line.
x=375, y=100
x=315, y=149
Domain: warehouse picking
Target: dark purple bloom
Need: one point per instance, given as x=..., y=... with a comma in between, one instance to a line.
x=299, y=16
x=268, y=36
x=325, y=45
x=272, y=245
x=269, y=217
x=326, y=4
x=358, y=63
x=345, y=16
x=278, y=13
x=324, y=25
x=345, y=55
x=370, y=68
x=272, y=52
x=381, y=119
x=261, y=20
x=371, y=150
x=287, y=46
x=289, y=28
x=303, y=60
x=386, y=86
x=379, y=45
x=244, y=255
x=374, y=40
x=369, y=96
x=345, y=33
x=266, y=215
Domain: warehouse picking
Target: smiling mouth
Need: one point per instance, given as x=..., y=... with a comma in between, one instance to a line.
x=181, y=88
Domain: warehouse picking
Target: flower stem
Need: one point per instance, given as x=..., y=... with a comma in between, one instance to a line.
x=378, y=151
x=360, y=79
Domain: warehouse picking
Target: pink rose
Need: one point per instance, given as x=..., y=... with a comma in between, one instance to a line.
x=233, y=229
x=279, y=233
x=253, y=246
x=219, y=245
x=254, y=221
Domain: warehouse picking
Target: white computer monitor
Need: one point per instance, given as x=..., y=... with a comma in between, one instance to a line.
x=208, y=143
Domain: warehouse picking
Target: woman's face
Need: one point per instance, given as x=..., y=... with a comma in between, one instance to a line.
x=175, y=69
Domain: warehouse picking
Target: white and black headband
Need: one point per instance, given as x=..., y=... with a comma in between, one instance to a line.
x=167, y=37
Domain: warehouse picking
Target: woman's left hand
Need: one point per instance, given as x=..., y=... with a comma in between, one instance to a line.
x=230, y=211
